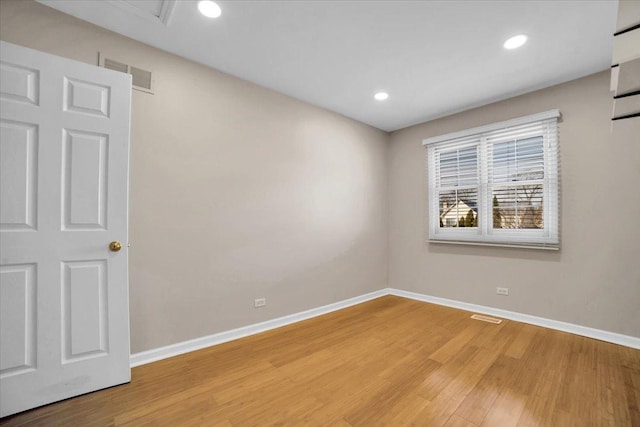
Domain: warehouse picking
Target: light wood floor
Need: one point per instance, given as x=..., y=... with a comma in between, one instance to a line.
x=387, y=362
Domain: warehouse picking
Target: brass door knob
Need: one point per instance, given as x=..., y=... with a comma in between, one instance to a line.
x=115, y=246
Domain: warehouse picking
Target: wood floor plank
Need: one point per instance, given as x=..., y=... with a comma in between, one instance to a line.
x=506, y=410
x=402, y=413
x=457, y=343
x=386, y=362
x=444, y=405
x=522, y=340
x=479, y=401
x=400, y=383
x=438, y=380
x=456, y=421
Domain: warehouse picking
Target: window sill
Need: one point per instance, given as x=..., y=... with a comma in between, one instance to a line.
x=496, y=245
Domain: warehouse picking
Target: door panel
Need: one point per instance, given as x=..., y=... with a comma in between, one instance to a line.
x=64, y=197
x=18, y=83
x=17, y=319
x=86, y=98
x=18, y=175
x=84, y=170
x=84, y=310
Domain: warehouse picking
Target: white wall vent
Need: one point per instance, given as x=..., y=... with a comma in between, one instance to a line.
x=142, y=79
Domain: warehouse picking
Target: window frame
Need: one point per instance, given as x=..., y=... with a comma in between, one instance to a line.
x=484, y=233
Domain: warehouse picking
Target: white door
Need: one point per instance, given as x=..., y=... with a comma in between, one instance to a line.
x=64, y=160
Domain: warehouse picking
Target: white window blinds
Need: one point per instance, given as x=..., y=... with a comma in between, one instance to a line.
x=496, y=184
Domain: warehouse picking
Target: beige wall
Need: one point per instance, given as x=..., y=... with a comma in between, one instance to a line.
x=237, y=192
x=595, y=279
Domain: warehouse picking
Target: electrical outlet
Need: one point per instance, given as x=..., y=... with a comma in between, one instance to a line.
x=502, y=291
x=259, y=302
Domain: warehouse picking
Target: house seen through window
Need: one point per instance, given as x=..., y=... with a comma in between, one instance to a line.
x=497, y=183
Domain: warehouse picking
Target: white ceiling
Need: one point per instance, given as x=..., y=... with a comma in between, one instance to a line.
x=434, y=58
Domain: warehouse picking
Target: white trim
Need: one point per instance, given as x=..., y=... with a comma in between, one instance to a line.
x=165, y=352
x=493, y=126
x=495, y=245
x=612, y=337
x=160, y=353
x=485, y=187
x=166, y=10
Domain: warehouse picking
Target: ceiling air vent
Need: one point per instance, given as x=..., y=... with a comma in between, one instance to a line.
x=142, y=79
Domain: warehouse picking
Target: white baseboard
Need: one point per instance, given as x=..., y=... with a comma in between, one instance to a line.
x=612, y=337
x=156, y=354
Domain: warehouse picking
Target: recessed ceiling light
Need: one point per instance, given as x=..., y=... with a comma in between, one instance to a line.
x=515, y=42
x=381, y=96
x=209, y=9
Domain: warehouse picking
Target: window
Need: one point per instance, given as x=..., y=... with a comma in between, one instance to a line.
x=496, y=184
